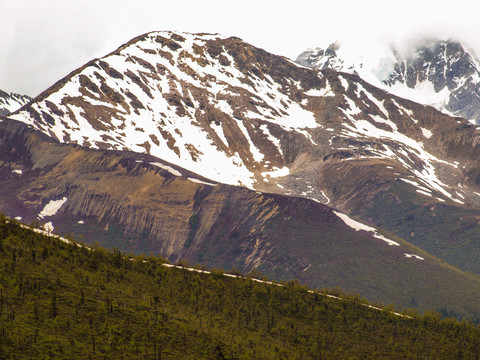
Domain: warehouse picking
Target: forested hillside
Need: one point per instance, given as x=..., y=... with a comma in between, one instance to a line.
x=64, y=301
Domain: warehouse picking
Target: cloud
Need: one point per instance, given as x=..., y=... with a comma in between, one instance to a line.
x=45, y=41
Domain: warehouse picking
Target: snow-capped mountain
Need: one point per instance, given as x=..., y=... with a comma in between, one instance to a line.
x=11, y=102
x=236, y=114
x=441, y=73
x=196, y=100
x=232, y=113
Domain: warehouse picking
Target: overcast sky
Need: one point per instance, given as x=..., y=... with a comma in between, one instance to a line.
x=42, y=41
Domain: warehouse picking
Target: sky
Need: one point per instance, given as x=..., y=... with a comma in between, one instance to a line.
x=43, y=41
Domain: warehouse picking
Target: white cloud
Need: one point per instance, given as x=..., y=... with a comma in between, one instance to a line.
x=42, y=41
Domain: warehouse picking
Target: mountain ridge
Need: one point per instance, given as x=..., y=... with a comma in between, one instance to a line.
x=441, y=73
x=246, y=163
x=10, y=102
x=245, y=116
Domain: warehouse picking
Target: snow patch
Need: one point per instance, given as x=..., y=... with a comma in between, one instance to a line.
x=424, y=192
x=414, y=256
x=344, y=82
x=271, y=138
x=48, y=227
x=353, y=108
x=52, y=207
x=325, y=92
x=200, y=181
x=423, y=93
x=256, y=153
x=325, y=196
x=168, y=168
x=277, y=172
x=427, y=133
x=358, y=226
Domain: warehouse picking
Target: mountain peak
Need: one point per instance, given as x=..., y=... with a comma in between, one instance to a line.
x=441, y=73
x=189, y=98
x=327, y=58
x=230, y=112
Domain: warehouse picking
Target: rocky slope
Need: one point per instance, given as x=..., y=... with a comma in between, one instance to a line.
x=204, y=102
x=140, y=204
x=441, y=73
x=11, y=102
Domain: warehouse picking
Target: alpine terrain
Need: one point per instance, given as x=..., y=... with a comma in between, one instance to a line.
x=140, y=204
x=441, y=73
x=189, y=115
x=11, y=102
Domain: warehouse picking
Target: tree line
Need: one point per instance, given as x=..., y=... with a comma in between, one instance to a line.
x=60, y=300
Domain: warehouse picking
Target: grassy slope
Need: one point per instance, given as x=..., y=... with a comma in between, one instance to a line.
x=308, y=242
x=443, y=230
x=62, y=301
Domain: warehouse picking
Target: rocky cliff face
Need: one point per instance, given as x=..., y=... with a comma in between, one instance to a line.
x=441, y=73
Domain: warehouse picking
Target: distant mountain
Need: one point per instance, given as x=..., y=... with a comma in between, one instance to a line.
x=11, y=102
x=441, y=73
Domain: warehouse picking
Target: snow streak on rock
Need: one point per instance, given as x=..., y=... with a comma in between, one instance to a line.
x=358, y=226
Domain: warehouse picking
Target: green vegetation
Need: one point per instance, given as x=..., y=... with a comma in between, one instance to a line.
x=443, y=230
x=63, y=301
x=193, y=223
